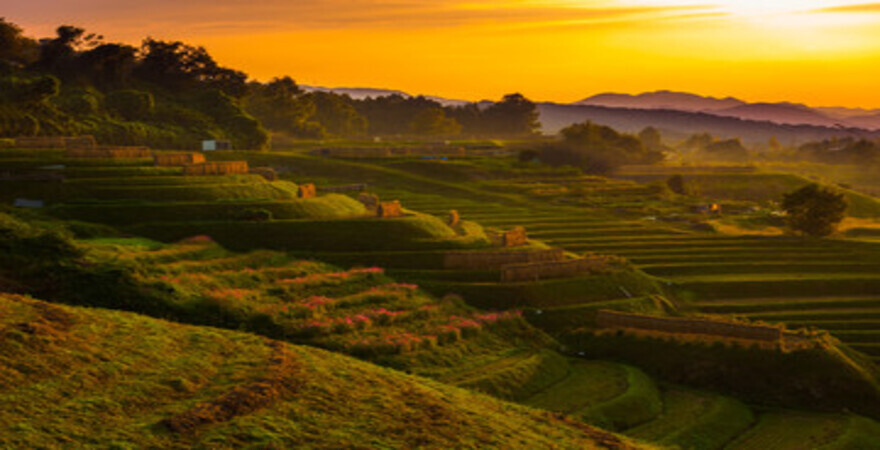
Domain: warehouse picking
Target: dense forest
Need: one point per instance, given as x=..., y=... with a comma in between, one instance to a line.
x=173, y=95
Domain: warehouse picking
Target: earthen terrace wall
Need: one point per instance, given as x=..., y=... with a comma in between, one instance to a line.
x=551, y=269
x=495, y=260
x=616, y=319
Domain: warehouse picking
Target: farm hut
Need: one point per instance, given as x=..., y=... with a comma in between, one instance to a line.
x=454, y=218
x=215, y=144
x=177, y=159
x=216, y=168
x=514, y=238
x=306, y=190
x=389, y=209
x=711, y=208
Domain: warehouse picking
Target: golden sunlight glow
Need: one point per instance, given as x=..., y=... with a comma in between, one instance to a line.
x=813, y=51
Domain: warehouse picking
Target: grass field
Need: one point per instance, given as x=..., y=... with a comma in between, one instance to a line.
x=75, y=378
x=361, y=310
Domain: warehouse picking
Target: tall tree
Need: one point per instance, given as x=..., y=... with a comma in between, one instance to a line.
x=434, y=122
x=813, y=210
x=15, y=48
x=514, y=115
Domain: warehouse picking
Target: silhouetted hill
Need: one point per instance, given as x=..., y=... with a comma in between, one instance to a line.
x=554, y=117
x=681, y=101
x=789, y=113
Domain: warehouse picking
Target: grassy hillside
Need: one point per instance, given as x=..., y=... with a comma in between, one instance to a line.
x=358, y=308
x=74, y=377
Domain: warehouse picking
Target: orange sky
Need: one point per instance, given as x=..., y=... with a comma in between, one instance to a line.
x=821, y=52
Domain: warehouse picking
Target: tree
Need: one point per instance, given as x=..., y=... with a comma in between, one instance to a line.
x=434, y=122
x=282, y=106
x=14, y=47
x=178, y=66
x=726, y=150
x=677, y=184
x=598, y=149
x=336, y=114
x=651, y=139
x=514, y=115
x=813, y=210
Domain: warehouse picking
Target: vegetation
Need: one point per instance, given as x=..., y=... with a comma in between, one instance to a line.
x=74, y=377
x=598, y=149
x=814, y=211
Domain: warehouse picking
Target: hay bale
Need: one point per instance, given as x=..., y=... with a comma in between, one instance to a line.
x=454, y=219
x=389, y=209
x=370, y=201
x=177, y=159
x=516, y=237
x=306, y=191
x=216, y=168
x=266, y=172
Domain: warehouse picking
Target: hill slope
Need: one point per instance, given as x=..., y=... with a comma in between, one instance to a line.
x=73, y=377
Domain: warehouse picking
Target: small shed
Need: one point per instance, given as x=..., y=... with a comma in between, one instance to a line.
x=215, y=144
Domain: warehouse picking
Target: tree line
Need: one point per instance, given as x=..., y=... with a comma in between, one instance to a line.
x=169, y=93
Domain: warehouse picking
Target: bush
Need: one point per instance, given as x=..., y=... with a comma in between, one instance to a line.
x=131, y=104
x=254, y=215
x=814, y=211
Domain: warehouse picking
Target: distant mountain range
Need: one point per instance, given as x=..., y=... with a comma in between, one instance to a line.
x=679, y=114
x=780, y=113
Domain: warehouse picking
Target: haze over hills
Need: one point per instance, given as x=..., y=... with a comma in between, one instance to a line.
x=680, y=101
x=781, y=112
x=680, y=113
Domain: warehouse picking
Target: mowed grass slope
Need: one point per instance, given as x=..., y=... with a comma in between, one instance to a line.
x=75, y=378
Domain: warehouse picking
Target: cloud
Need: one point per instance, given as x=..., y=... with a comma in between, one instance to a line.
x=250, y=16
x=857, y=8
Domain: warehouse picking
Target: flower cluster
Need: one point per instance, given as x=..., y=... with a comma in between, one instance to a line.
x=331, y=277
x=200, y=239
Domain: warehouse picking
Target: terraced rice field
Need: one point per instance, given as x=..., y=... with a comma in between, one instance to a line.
x=828, y=284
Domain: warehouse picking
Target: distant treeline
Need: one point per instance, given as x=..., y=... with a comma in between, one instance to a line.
x=173, y=95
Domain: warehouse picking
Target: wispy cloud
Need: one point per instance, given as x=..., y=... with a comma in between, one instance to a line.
x=856, y=8
x=232, y=16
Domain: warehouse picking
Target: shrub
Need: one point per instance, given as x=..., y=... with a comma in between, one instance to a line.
x=814, y=211
x=131, y=104
x=254, y=215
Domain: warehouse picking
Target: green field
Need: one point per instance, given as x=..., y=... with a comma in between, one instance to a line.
x=73, y=377
x=357, y=308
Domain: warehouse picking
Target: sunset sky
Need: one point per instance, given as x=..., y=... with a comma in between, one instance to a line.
x=821, y=52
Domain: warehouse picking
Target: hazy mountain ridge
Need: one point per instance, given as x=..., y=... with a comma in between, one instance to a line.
x=555, y=116
x=680, y=101
x=777, y=112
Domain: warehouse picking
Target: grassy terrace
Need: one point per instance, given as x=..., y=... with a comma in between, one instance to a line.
x=73, y=377
x=708, y=267
x=362, y=311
